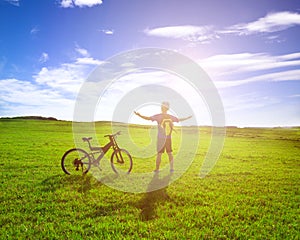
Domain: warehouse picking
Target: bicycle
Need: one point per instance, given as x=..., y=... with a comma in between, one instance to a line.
x=78, y=161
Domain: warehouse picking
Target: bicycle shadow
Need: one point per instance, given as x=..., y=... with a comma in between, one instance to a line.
x=150, y=200
x=81, y=184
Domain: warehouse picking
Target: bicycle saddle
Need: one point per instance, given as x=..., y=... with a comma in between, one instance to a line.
x=86, y=139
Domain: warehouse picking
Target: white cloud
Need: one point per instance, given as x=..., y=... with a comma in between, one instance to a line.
x=89, y=3
x=83, y=52
x=191, y=33
x=85, y=58
x=66, y=3
x=44, y=57
x=80, y=3
x=25, y=93
x=67, y=77
x=88, y=61
x=272, y=22
x=26, y=98
x=108, y=31
x=52, y=93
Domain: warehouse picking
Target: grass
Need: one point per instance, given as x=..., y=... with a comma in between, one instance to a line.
x=252, y=192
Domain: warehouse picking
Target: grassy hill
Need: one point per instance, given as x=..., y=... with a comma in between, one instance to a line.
x=252, y=192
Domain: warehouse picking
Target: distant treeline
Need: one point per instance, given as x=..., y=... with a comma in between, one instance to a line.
x=32, y=118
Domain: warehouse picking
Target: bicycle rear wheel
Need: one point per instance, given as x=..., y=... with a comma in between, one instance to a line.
x=121, y=161
x=76, y=161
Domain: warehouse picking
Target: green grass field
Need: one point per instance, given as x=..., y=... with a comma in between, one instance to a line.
x=252, y=192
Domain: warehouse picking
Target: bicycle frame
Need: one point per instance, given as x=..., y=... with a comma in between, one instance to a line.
x=103, y=150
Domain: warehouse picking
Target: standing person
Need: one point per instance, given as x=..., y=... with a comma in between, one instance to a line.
x=164, y=137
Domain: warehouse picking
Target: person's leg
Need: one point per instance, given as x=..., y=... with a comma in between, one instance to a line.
x=171, y=159
x=170, y=154
x=160, y=151
x=158, y=160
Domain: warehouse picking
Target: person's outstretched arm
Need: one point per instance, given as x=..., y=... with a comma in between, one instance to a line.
x=183, y=119
x=140, y=115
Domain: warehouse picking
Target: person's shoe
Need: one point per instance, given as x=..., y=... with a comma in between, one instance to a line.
x=171, y=170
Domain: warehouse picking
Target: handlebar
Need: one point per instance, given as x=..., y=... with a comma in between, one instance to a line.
x=113, y=135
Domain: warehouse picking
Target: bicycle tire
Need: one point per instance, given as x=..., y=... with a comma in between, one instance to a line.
x=121, y=161
x=75, y=161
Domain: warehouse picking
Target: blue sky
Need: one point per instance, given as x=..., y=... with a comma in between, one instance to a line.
x=250, y=49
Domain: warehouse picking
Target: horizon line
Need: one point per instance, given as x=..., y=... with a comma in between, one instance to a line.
x=32, y=117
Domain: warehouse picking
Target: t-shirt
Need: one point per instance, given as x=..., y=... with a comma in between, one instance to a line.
x=165, y=124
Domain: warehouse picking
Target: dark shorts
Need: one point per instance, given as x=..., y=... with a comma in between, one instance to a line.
x=164, y=144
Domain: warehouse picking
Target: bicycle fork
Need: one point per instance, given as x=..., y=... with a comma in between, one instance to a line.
x=119, y=157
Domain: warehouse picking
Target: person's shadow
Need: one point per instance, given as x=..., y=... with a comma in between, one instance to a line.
x=153, y=197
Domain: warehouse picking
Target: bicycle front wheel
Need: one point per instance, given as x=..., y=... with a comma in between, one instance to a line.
x=76, y=161
x=121, y=161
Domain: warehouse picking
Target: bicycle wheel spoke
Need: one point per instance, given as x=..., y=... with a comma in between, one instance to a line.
x=121, y=161
x=75, y=162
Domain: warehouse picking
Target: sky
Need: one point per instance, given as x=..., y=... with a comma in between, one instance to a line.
x=249, y=49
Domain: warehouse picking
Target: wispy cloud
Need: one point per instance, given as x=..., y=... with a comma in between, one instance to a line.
x=295, y=96
x=14, y=2
x=289, y=75
x=79, y=3
x=44, y=57
x=272, y=22
x=34, y=30
x=251, y=100
x=230, y=66
x=274, y=39
x=251, y=61
x=202, y=34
